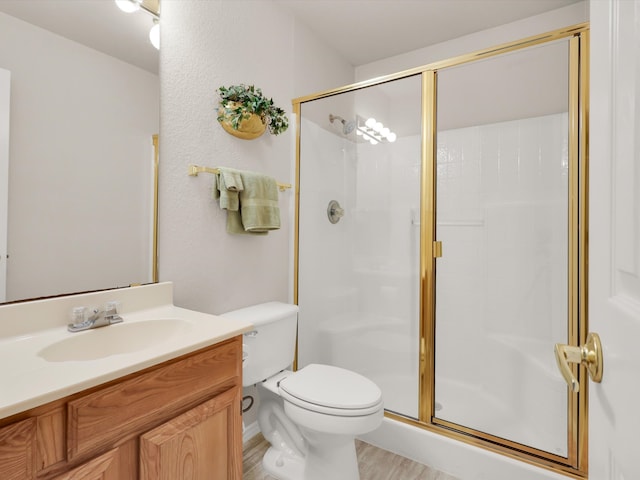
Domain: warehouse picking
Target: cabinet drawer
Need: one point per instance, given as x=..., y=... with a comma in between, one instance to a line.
x=129, y=408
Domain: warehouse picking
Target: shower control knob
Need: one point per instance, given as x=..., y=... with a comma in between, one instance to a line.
x=334, y=211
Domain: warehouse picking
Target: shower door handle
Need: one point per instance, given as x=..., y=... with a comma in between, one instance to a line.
x=589, y=355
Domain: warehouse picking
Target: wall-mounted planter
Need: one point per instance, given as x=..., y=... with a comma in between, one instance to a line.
x=245, y=113
x=248, y=128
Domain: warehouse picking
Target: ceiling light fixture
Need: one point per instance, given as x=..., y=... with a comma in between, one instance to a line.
x=130, y=6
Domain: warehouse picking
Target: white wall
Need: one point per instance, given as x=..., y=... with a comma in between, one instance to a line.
x=206, y=45
x=80, y=164
x=316, y=66
x=562, y=17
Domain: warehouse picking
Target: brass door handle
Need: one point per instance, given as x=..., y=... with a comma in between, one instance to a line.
x=589, y=354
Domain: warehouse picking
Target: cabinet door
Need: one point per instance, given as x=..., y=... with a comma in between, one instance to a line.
x=202, y=444
x=17, y=449
x=104, y=467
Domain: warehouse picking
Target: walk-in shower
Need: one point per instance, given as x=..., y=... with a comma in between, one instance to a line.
x=458, y=260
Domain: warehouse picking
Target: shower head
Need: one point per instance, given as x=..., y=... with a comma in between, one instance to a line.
x=347, y=127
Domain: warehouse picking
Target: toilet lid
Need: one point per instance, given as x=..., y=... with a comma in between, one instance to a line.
x=330, y=387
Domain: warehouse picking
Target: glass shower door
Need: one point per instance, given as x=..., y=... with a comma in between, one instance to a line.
x=446, y=260
x=358, y=258
x=502, y=215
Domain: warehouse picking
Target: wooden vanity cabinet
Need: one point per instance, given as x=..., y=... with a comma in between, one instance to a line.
x=180, y=419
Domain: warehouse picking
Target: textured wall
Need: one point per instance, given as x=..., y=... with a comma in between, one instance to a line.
x=206, y=44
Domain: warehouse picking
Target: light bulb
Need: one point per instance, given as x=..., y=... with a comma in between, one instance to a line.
x=378, y=126
x=373, y=142
x=370, y=122
x=154, y=36
x=128, y=5
x=392, y=137
x=385, y=131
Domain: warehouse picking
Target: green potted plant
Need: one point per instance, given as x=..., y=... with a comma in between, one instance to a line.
x=246, y=113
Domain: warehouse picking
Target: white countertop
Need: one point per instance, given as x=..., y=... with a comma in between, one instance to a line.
x=28, y=379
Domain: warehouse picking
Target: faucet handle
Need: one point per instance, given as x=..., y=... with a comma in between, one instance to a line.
x=111, y=308
x=78, y=315
x=111, y=312
x=79, y=319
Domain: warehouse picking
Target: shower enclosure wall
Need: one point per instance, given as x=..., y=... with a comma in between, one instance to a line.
x=440, y=243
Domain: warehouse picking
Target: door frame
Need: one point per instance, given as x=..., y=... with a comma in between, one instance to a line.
x=614, y=297
x=576, y=463
x=5, y=102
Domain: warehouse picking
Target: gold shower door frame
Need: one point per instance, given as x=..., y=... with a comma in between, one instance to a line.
x=575, y=464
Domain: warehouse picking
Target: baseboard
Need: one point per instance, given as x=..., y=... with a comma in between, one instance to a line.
x=250, y=431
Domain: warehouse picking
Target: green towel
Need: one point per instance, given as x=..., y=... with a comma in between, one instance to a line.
x=227, y=186
x=258, y=210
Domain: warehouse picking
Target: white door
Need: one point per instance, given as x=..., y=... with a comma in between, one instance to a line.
x=5, y=86
x=614, y=238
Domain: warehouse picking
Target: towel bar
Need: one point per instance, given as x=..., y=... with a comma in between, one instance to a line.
x=194, y=170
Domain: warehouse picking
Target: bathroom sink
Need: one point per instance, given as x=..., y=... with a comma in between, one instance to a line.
x=117, y=339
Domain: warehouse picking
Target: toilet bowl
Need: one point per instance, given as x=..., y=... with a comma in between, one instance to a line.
x=311, y=416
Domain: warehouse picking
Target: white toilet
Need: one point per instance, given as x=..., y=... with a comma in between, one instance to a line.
x=310, y=416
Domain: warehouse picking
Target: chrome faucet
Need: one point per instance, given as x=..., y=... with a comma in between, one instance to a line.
x=87, y=318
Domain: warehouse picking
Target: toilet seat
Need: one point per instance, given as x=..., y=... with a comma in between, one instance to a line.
x=332, y=391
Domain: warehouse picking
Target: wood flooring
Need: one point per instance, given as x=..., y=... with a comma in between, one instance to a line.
x=374, y=463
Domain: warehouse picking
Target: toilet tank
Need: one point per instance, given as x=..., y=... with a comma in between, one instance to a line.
x=270, y=346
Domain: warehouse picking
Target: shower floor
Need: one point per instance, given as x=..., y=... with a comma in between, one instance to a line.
x=468, y=406
x=491, y=415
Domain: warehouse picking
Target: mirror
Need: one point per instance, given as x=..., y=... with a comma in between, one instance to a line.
x=80, y=180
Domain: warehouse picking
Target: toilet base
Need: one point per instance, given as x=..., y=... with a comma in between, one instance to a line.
x=282, y=466
x=336, y=461
x=330, y=456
